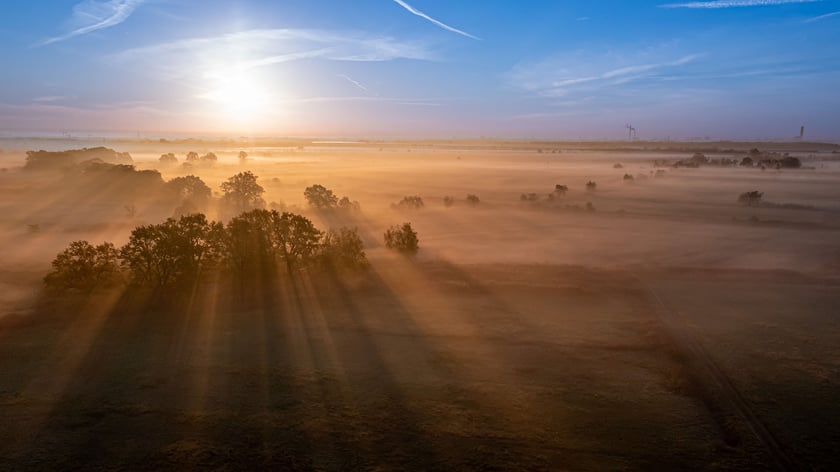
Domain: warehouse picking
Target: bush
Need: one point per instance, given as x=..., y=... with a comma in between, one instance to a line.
x=591, y=185
x=402, y=238
x=752, y=198
x=84, y=267
x=448, y=201
x=473, y=199
x=561, y=189
x=628, y=178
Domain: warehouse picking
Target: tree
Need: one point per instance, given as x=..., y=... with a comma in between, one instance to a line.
x=346, y=204
x=168, y=158
x=752, y=198
x=402, y=238
x=448, y=201
x=747, y=161
x=189, y=188
x=410, y=202
x=84, y=267
x=161, y=255
x=473, y=199
x=591, y=185
x=320, y=197
x=243, y=157
x=628, y=178
x=295, y=238
x=343, y=248
x=209, y=158
x=192, y=156
x=249, y=242
x=561, y=189
x=242, y=192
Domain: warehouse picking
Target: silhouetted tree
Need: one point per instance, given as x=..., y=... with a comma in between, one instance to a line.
x=320, y=197
x=162, y=254
x=346, y=204
x=448, y=201
x=192, y=156
x=410, y=202
x=168, y=158
x=473, y=199
x=209, y=158
x=561, y=189
x=747, y=161
x=343, y=248
x=628, y=178
x=242, y=192
x=591, y=185
x=83, y=267
x=243, y=157
x=402, y=238
x=295, y=238
x=189, y=188
x=249, y=242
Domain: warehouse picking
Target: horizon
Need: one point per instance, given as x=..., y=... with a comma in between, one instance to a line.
x=424, y=69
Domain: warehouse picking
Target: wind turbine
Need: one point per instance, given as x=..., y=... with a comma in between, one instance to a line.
x=631, y=132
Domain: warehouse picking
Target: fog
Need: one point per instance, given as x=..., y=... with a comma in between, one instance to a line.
x=532, y=316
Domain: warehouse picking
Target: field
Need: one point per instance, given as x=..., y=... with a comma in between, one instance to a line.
x=648, y=324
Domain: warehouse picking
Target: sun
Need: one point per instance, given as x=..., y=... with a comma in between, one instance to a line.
x=240, y=98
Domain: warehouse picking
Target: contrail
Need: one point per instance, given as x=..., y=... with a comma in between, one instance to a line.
x=734, y=3
x=354, y=82
x=822, y=17
x=419, y=13
x=104, y=14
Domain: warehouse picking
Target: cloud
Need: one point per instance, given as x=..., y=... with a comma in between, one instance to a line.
x=419, y=13
x=251, y=49
x=48, y=99
x=552, y=78
x=822, y=17
x=90, y=15
x=734, y=3
x=354, y=82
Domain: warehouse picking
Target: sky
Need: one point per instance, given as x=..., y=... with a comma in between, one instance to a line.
x=524, y=69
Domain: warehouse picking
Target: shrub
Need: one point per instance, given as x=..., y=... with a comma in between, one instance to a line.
x=473, y=199
x=752, y=198
x=591, y=185
x=628, y=178
x=402, y=238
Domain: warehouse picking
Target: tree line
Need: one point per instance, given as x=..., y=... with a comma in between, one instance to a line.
x=178, y=251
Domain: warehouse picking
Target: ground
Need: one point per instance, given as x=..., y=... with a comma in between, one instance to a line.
x=670, y=329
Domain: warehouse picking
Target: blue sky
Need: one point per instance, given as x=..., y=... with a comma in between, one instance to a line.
x=743, y=69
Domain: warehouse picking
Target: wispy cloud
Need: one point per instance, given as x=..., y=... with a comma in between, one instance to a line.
x=822, y=17
x=419, y=13
x=582, y=18
x=264, y=47
x=90, y=15
x=734, y=3
x=551, y=79
x=48, y=99
x=354, y=82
